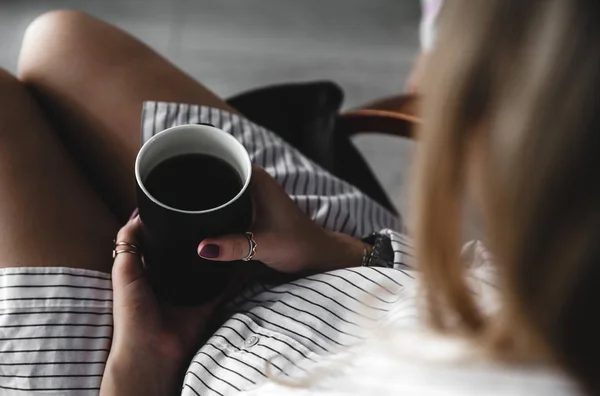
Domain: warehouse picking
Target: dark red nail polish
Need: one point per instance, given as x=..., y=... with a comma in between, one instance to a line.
x=134, y=213
x=209, y=251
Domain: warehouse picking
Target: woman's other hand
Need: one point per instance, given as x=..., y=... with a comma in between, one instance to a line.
x=287, y=240
x=152, y=341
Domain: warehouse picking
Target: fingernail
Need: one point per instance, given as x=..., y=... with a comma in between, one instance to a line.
x=134, y=213
x=209, y=251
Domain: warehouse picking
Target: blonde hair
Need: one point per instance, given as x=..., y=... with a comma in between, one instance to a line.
x=523, y=75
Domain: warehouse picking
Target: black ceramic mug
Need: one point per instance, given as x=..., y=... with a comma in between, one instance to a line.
x=192, y=183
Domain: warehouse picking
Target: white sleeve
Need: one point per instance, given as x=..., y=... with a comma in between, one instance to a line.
x=404, y=251
x=475, y=255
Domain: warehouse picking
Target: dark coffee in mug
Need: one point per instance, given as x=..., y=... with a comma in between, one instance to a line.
x=193, y=182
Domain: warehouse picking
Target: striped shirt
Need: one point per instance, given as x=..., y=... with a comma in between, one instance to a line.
x=56, y=323
x=409, y=363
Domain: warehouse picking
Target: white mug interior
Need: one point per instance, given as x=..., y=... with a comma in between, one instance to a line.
x=193, y=139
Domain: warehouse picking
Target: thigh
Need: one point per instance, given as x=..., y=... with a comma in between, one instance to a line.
x=50, y=214
x=93, y=79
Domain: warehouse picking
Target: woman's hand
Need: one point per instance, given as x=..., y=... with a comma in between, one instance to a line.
x=152, y=341
x=287, y=240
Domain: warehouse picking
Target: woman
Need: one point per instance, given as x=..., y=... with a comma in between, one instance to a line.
x=68, y=182
x=512, y=118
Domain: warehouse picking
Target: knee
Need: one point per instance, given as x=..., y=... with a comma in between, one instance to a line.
x=52, y=37
x=51, y=25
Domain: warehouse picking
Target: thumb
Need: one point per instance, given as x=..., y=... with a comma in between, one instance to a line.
x=128, y=267
x=133, y=297
x=228, y=248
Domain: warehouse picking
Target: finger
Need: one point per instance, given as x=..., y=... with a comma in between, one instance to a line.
x=128, y=267
x=227, y=248
x=135, y=309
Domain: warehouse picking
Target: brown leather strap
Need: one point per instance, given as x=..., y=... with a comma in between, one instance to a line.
x=394, y=116
x=405, y=104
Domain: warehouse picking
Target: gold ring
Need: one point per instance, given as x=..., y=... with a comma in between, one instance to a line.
x=117, y=252
x=129, y=245
x=130, y=248
x=251, y=246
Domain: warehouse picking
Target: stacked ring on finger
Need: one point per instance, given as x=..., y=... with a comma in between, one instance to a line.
x=251, y=246
x=128, y=248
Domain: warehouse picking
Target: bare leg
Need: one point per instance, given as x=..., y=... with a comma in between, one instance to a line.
x=50, y=214
x=93, y=78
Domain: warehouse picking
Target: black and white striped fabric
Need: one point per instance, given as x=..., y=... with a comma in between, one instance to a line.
x=55, y=330
x=55, y=323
